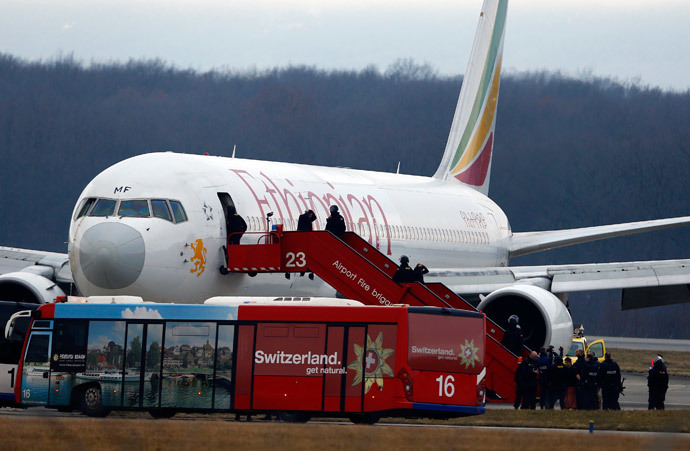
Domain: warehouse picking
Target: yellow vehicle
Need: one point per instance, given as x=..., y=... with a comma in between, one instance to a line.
x=580, y=342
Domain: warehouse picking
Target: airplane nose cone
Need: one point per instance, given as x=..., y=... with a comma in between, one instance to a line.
x=111, y=255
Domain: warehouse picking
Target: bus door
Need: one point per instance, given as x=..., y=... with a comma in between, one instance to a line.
x=152, y=360
x=36, y=370
x=370, y=368
x=143, y=357
x=289, y=364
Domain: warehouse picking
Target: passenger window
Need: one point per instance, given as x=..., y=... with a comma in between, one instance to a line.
x=84, y=207
x=178, y=211
x=160, y=209
x=103, y=207
x=136, y=208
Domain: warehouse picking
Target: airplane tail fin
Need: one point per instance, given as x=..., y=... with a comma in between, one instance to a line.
x=467, y=157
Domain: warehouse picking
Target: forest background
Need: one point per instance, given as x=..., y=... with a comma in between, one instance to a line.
x=569, y=151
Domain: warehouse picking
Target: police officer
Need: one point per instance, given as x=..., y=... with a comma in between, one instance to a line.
x=512, y=337
x=591, y=383
x=530, y=382
x=335, y=222
x=657, y=381
x=235, y=225
x=304, y=222
x=544, y=363
x=558, y=382
x=404, y=274
x=610, y=381
x=419, y=272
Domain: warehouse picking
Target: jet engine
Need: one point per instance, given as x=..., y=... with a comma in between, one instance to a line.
x=543, y=317
x=28, y=286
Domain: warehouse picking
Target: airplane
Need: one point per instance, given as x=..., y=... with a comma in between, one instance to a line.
x=154, y=225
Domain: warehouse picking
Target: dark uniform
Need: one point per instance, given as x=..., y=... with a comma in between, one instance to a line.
x=304, y=223
x=520, y=377
x=419, y=272
x=544, y=364
x=610, y=381
x=558, y=382
x=235, y=225
x=512, y=339
x=404, y=274
x=335, y=222
x=657, y=381
x=530, y=382
x=590, y=400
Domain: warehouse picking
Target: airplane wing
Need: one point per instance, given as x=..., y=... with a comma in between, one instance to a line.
x=644, y=283
x=529, y=242
x=51, y=265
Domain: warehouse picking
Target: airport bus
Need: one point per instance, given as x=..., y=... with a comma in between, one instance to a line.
x=298, y=362
x=11, y=345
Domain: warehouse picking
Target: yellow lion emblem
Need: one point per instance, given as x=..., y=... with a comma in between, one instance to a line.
x=199, y=257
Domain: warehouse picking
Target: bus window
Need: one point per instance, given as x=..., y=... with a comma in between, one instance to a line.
x=132, y=376
x=222, y=398
x=152, y=364
x=38, y=349
x=135, y=208
x=188, y=364
x=103, y=207
x=104, y=359
x=69, y=344
x=160, y=209
x=178, y=211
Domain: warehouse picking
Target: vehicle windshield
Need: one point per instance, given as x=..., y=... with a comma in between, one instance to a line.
x=574, y=347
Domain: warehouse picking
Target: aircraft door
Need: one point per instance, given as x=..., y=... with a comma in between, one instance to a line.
x=225, y=202
x=35, y=388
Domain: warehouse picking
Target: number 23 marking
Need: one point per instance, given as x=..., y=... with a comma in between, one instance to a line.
x=295, y=260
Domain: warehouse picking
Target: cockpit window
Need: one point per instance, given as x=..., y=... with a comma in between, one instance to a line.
x=137, y=208
x=160, y=209
x=84, y=206
x=178, y=211
x=103, y=207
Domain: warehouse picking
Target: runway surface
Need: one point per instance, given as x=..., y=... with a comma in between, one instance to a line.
x=645, y=344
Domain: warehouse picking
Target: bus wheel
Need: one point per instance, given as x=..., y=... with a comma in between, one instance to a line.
x=162, y=413
x=364, y=418
x=92, y=402
x=294, y=417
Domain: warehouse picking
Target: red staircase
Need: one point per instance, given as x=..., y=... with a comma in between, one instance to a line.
x=356, y=269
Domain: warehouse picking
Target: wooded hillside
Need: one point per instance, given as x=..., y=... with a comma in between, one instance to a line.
x=568, y=152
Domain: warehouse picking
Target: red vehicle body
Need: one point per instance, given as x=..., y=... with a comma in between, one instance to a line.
x=356, y=362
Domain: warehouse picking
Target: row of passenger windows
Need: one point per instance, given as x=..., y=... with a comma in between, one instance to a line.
x=396, y=232
x=170, y=210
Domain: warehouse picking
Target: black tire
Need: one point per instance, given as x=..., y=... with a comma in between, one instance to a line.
x=162, y=413
x=364, y=418
x=294, y=417
x=91, y=401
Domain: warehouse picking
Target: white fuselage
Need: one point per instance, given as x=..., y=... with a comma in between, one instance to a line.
x=442, y=224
